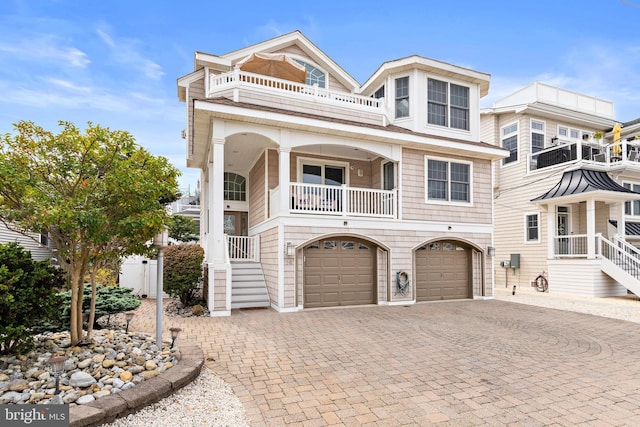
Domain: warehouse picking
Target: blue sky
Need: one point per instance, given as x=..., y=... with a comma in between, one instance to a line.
x=116, y=62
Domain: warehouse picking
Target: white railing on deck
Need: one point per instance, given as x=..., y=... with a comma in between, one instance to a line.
x=237, y=78
x=342, y=200
x=623, y=153
x=573, y=246
x=243, y=248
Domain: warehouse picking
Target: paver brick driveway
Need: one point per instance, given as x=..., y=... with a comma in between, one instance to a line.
x=451, y=363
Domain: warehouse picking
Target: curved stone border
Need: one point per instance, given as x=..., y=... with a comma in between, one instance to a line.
x=107, y=409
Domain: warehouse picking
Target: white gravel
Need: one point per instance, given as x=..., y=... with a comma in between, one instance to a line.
x=207, y=401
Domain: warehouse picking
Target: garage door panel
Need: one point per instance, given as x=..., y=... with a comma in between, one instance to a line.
x=339, y=272
x=442, y=272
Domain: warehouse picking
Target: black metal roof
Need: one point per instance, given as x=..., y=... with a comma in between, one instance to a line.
x=582, y=181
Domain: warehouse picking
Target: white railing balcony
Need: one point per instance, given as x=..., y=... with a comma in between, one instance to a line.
x=243, y=248
x=573, y=246
x=342, y=200
x=237, y=79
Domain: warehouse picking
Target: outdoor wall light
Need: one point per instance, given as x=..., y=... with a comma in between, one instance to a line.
x=128, y=316
x=491, y=251
x=290, y=250
x=174, y=335
x=57, y=364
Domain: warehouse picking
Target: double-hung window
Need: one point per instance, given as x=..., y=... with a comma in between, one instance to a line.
x=447, y=104
x=379, y=93
x=402, y=97
x=509, y=140
x=537, y=136
x=448, y=181
x=532, y=227
x=632, y=208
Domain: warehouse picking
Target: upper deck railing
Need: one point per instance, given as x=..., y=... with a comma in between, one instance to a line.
x=237, y=78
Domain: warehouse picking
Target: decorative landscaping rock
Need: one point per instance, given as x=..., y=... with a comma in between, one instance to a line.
x=81, y=379
x=115, y=362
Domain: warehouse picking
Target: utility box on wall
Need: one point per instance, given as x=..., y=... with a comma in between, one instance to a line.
x=515, y=261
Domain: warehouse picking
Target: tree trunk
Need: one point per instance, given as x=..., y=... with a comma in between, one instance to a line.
x=76, y=333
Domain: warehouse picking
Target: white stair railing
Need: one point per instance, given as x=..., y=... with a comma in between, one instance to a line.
x=621, y=257
x=243, y=248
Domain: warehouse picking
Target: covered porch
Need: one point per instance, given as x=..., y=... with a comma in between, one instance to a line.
x=586, y=250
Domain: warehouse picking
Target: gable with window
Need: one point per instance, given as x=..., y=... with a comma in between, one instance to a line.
x=402, y=97
x=532, y=227
x=509, y=141
x=448, y=181
x=447, y=104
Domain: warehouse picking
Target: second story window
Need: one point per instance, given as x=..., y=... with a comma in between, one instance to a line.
x=537, y=136
x=448, y=181
x=402, y=97
x=509, y=141
x=447, y=104
x=379, y=93
x=235, y=187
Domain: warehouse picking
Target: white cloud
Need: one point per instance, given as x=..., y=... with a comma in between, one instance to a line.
x=128, y=52
x=46, y=48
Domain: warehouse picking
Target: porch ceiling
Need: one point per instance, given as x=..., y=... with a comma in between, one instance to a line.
x=582, y=184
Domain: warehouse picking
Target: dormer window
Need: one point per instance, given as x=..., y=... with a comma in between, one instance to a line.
x=448, y=104
x=314, y=75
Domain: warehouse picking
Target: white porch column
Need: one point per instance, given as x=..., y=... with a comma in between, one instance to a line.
x=551, y=230
x=591, y=229
x=216, y=203
x=284, y=179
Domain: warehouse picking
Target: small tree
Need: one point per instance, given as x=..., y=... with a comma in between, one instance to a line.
x=28, y=296
x=88, y=191
x=183, y=229
x=182, y=271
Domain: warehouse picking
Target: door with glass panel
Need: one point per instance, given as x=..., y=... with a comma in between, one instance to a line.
x=324, y=199
x=563, y=230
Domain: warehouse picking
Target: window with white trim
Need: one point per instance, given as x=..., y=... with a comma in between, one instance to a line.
x=235, y=187
x=532, y=227
x=632, y=207
x=447, y=104
x=537, y=135
x=509, y=141
x=379, y=93
x=402, y=97
x=448, y=181
x=314, y=75
x=566, y=132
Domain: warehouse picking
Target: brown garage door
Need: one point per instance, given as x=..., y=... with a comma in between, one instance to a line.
x=339, y=271
x=442, y=272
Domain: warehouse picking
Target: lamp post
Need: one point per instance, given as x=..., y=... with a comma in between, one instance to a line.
x=128, y=316
x=57, y=364
x=160, y=241
x=174, y=335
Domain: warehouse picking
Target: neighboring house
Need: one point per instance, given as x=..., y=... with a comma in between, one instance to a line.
x=317, y=191
x=37, y=244
x=563, y=196
x=188, y=205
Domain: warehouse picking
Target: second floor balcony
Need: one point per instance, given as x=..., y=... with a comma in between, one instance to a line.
x=611, y=155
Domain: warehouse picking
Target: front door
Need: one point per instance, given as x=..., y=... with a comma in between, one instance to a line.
x=236, y=223
x=562, y=225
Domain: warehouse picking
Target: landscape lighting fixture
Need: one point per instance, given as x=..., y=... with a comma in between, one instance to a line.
x=57, y=364
x=128, y=316
x=174, y=335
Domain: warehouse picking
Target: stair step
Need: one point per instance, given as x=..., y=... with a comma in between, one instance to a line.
x=248, y=298
x=249, y=305
x=249, y=291
x=248, y=287
x=248, y=278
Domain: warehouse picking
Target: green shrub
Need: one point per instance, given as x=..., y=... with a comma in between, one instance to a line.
x=182, y=271
x=109, y=300
x=28, y=296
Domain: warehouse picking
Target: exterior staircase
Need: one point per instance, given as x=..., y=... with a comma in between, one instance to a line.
x=621, y=261
x=248, y=287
